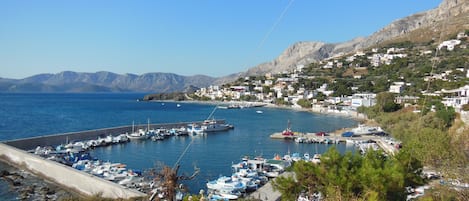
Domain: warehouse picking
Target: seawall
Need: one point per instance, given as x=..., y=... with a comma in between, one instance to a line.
x=75, y=180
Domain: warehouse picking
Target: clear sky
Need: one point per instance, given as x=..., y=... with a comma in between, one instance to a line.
x=210, y=37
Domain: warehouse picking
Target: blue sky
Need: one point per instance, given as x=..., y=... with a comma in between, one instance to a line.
x=210, y=37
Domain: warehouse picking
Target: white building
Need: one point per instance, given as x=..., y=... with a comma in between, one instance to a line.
x=449, y=44
x=397, y=87
x=363, y=99
x=460, y=97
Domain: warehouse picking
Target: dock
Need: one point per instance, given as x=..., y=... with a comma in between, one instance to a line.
x=336, y=137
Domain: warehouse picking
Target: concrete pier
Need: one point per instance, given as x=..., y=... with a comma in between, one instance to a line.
x=338, y=138
x=63, y=175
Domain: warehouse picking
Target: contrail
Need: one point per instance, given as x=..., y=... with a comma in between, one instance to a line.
x=267, y=35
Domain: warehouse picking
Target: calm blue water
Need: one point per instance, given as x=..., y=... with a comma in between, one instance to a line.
x=26, y=115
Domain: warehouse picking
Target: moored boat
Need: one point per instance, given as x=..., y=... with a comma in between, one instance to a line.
x=227, y=184
x=214, y=126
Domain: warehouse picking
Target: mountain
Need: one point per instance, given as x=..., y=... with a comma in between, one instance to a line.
x=451, y=16
x=69, y=81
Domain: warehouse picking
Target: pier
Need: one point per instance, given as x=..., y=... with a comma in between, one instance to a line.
x=336, y=137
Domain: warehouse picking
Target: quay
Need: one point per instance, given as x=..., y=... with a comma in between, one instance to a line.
x=16, y=153
x=336, y=137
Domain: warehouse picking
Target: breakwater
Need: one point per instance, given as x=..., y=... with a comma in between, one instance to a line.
x=63, y=138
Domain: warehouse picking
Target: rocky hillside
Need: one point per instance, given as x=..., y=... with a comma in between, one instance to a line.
x=452, y=16
x=69, y=81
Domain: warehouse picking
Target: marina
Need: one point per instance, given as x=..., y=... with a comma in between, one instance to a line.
x=249, y=136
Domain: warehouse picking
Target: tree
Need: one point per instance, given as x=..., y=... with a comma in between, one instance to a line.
x=341, y=87
x=168, y=177
x=385, y=102
x=352, y=176
x=304, y=103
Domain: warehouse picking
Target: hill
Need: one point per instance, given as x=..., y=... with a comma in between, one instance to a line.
x=451, y=17
x=69, y=81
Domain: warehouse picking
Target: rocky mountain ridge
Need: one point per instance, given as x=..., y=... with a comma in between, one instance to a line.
x=450, y=16
x=103, y=81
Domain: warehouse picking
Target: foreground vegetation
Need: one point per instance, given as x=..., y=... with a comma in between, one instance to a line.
x=434, y=138
x=353, y=177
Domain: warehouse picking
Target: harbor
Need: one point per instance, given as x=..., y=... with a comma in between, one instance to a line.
x=250, y=135
x=63, y=158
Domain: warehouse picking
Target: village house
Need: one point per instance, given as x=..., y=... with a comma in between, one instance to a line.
x=397, y=87
x=449, y=44
x=458, y=97
x=363, y=99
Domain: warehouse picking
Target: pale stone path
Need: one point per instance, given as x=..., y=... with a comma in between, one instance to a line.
x=267, y=193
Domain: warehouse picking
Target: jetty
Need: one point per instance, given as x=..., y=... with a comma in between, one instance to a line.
x=383, y=142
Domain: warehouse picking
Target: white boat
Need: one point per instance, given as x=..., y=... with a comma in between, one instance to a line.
x=214, y=126
x=75, y=147
x=140, y=134
x=223, y=196
x=316, y=159
x=157, y=137
x=195, y=129
x=131, y=179
x=366, y=130
x=259, y=112
x=226, y=184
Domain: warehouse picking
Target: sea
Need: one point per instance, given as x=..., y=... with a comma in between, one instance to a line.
x=36, y=114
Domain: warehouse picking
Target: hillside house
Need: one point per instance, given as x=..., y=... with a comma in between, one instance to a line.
x=363, y=99
x=458, y=97
x=406, y=99
x=397, y=87
x=449, y=44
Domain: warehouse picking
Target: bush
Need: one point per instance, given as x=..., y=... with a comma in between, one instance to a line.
x=465, y=107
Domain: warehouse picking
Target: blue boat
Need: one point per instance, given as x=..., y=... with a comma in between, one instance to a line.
x=347, y=134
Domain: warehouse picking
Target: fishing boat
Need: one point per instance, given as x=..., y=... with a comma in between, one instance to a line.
x=288, y=132
x=226, y=184
x=140, y=134
x=195, y=129
x=214, y=126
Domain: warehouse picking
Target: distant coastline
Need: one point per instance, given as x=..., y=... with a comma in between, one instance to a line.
x=324, y=111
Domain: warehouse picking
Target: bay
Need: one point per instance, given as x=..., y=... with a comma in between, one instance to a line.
x=28, y=115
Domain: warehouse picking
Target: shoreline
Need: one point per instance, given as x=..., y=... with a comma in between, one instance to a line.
x=25, y=185
x=323, y=111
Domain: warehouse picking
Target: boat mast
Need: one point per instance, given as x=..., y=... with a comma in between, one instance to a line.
x=148, y=124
